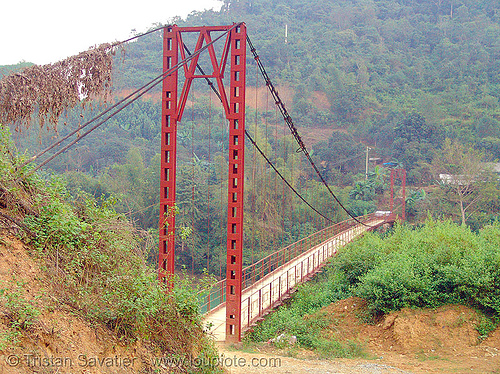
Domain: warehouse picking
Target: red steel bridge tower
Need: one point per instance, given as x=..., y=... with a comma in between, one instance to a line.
x=173, y=105
x=399, y=173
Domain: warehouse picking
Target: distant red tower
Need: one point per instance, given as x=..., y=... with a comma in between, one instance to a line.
x=401, y=174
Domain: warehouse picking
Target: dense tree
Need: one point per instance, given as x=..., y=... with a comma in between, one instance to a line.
x=414, y=143
x=340, y=154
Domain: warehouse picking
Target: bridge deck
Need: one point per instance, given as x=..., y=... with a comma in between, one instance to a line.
x=267, y=293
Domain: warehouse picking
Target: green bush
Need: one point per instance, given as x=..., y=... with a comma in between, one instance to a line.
x=397, y=283
x=21, y=313
x=353, y=261
x=437, y=264
x=485, y=325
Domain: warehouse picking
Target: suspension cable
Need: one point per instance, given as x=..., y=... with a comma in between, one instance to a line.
x=288, y=119
x=210, y=83
x=283, y=178
x=208, y=178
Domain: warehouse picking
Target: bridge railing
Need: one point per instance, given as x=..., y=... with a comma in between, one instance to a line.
x=265, y=295
x=253, y=273
x=268, y=264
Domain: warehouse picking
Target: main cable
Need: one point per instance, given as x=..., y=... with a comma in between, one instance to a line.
x=64, y=149
x=41, y=153
x=288, y=119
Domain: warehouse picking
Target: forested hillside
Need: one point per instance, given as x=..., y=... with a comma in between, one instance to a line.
x=376, y=61
x=399, y=76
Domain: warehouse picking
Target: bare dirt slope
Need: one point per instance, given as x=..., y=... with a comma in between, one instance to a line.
x=444, y=340
x=57, y=341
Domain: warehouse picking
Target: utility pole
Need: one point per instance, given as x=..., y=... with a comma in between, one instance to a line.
x=366, y=162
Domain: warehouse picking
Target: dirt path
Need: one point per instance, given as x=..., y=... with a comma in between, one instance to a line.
x=241, y=362
x=238, y=361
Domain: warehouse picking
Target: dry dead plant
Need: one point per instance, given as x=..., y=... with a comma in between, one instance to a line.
x=45, y=92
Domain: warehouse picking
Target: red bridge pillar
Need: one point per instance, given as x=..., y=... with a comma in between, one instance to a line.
x=234, y=51
x=401, y=174
x=170, y=116
x=236, y=116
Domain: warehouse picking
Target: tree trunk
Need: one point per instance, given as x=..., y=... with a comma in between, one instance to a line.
x=462, y=211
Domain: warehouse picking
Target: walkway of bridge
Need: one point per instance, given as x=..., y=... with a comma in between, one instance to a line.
x=274, y=278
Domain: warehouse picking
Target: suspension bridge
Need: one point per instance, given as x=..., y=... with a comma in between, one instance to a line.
x=246, y=294
x=268, y=282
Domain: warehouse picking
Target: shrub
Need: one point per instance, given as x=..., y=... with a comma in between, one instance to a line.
x=21, y=313
x=437, y=264
x=353, y=261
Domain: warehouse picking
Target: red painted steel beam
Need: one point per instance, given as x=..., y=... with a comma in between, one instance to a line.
x=168, y=166
x=173, y=106
x=204, y=28
x=236, y=116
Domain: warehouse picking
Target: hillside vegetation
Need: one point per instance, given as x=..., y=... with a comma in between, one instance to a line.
x=376, y=62
x=82, y=267
x=414, y=80
x=417, y=81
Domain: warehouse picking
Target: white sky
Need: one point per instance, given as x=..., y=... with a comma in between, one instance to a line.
x=45, y=31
